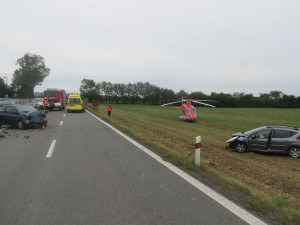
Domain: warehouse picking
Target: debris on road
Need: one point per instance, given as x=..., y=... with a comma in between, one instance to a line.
x=15, y=133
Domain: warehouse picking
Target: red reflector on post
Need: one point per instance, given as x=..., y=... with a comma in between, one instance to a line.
x=198, y=145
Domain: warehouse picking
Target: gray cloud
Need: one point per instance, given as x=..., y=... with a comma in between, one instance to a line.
x=247, y=46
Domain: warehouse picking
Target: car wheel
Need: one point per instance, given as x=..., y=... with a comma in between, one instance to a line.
x=20, y=125
x=240, y=147
x=294, y=152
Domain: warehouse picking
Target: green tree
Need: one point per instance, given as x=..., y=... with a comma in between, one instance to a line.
x=275, y=97
x=2, y=88
x=167, y=95
x=224, y=100
x=182, y=93
x=244, y=100
x=198, y=95
x=89, y=89
x=106, y=89
x=264, y=100
x=119, y=91
x=31, y=72
x=288, y=101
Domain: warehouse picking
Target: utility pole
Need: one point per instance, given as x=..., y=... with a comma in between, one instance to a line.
x=6, y=96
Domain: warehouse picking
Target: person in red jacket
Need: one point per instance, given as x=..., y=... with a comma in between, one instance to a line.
x=46, y=104
x=109, y=109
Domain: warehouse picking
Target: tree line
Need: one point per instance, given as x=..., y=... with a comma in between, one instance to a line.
x=32, y=71
x=146, y=93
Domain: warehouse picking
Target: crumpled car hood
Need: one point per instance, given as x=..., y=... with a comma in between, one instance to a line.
x=35, y=114
x=240, y=134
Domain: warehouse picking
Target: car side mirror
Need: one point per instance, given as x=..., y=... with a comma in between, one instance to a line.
x=253, y=136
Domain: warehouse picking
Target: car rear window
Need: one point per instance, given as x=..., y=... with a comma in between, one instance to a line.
x=74, y=100
x=2, y=108
x=37, y=99
x=283, y=133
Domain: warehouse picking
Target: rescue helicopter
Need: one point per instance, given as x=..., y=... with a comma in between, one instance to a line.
x=188, y=110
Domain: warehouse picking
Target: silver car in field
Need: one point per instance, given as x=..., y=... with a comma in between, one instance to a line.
x=271, y=138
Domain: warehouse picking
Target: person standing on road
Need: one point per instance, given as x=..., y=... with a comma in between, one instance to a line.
x=46, y=104
x=109, y=109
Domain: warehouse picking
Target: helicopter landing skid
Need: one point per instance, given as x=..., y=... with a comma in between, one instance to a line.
x=186, y=118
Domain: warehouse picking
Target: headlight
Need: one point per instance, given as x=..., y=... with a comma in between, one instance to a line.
x=231, y=139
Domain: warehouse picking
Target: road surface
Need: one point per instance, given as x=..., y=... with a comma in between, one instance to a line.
x=80, y=171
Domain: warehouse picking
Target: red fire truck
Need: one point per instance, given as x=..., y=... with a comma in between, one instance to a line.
x=56, y=98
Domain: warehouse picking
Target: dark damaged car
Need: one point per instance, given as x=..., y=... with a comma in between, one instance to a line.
x=21, y=116
x=272, y=138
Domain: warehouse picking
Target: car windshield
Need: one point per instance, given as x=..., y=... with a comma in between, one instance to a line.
x=250, y=132
x=26, y=108
x=37, y=99
x=51, y=94
x=30, y=103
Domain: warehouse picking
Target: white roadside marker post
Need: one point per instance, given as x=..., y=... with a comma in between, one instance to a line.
x=198, y=150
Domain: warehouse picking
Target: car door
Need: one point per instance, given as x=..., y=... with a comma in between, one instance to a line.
x=259, y=141
x=11, y=116
x=280, y=140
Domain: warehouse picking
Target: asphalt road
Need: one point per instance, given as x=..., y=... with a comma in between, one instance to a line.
x=91, y=175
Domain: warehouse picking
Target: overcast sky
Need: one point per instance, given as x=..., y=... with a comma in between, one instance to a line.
x=250, y=46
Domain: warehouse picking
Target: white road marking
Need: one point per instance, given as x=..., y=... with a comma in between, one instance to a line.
x=51, y=149
x=237, y=210
x=64, y=114
x=61, y=122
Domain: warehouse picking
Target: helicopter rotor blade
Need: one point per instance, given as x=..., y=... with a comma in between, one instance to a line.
x=203, y=103
x=191, y=100
x=170, y=103
x=203, y=100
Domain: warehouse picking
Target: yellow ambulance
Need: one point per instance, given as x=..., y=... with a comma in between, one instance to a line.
x=75, y=103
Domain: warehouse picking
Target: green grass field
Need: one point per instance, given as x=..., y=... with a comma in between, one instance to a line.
x=266, y=183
